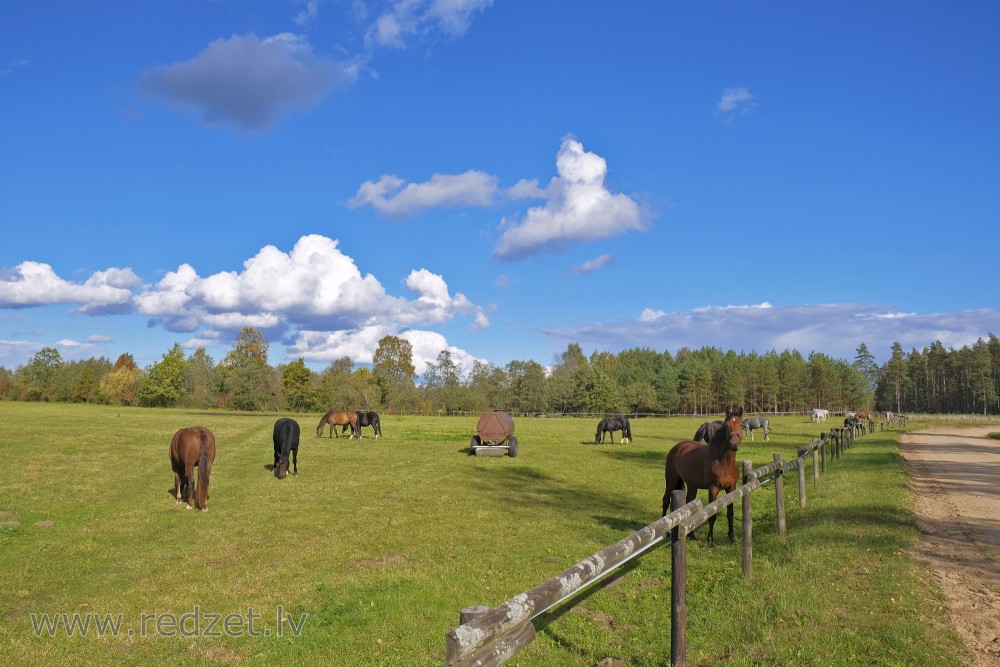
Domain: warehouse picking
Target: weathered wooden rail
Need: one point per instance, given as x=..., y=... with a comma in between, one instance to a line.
x=490, y=636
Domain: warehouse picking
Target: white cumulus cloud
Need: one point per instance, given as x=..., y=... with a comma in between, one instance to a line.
x=579, y=207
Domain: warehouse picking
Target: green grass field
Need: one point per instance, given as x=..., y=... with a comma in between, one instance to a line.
x=372, y=550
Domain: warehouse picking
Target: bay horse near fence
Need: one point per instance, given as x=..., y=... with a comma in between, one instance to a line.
x=712, y=466
x=707, y=431
x=191, y=448
x=369, y=418
x=755, y=423
x=335, y=418
x=610, y=425
x=286, y=441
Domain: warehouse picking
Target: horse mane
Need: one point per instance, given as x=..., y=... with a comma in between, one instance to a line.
x=204, y=469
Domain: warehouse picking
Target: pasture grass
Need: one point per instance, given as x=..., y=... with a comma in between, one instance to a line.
x=375, y=546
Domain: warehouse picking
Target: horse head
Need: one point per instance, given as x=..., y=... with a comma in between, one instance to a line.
x=733, y=427
x=282, y=469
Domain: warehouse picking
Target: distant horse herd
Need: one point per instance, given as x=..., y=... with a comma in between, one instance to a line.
x=194, y=447
x=689, y=463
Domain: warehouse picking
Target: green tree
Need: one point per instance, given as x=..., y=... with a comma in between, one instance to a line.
x=335, y=381
x=296, y=381
x=392, y=365
x=37, y=378
x=567, y=385
x=603, y=395
x=199, y=380
x=164, y=382
x=895, y=377
x=527, y=380
x=246, y=379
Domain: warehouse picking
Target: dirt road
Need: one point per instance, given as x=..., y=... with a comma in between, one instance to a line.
x=956, y=484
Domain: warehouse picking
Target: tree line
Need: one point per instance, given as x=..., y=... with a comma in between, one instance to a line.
x=633, y=381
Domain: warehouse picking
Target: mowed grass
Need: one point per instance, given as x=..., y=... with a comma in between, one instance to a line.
x=377, y=545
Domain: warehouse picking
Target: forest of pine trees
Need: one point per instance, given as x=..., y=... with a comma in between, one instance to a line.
x=633, y=381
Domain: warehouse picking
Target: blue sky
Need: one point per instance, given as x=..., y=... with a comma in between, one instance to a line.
x=498, y=178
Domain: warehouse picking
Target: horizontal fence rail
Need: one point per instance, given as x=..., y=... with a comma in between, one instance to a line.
x=490, y=636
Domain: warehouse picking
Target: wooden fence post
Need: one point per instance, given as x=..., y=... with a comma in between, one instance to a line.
x=779, y=492
x=747, y=523
x=800, y=464
x=678, y=588
x=824, y=438
x=816, y=449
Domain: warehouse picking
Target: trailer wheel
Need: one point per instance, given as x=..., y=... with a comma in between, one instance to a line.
x=476, y=442
x=512, y=446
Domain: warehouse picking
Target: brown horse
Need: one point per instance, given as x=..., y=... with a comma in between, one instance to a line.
x=863, y=415
x=337, y=418
x=711, y=467
x=192, y=448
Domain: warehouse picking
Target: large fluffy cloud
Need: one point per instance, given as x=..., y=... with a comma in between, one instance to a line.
x=35, y=284
x=247, y=82
x=315, y=291
x=579, y=208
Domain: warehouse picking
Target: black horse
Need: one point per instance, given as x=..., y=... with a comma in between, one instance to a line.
x=707, y=431
x=854, y=422
x=286, y=440
x=369, y=418
x=611, y=424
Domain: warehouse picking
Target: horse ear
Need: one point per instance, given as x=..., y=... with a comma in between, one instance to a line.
x=739, y=413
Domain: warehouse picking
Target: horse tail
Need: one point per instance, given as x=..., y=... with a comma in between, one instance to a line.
x=204, y=469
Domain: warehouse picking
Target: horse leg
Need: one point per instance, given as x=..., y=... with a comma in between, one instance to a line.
x=295, y=467
x=691, y=495
x=189, y=494
x=729, y=516
x=713, y=492
x=177, y=486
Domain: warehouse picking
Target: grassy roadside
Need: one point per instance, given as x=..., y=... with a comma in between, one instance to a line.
x=380, y=544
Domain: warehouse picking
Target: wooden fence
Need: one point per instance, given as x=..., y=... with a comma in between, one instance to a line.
x=490, y=636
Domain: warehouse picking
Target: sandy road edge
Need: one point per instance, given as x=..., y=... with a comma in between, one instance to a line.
x=966, y=568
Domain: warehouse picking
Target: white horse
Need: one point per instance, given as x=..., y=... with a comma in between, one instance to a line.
x=820, y=415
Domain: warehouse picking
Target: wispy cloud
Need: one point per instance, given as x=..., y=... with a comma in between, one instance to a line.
x=12, y=66
x=834, y=329
x=394, y=197
x=246, y=82
x=734, y=101
x=592, y=265
x=417, y=19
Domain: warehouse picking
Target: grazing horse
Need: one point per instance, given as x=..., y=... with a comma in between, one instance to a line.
x=755, y=422
x=610, y=425
x=192, y=448
x=337, y=418
x=863, y=415
x=820, y=415
x=707, y=431
x=286, y=441
x=854, y=422
x=369, y=418
x=712, y=466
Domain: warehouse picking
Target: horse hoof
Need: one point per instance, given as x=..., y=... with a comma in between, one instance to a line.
x=189, y=507
x=204, y=509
